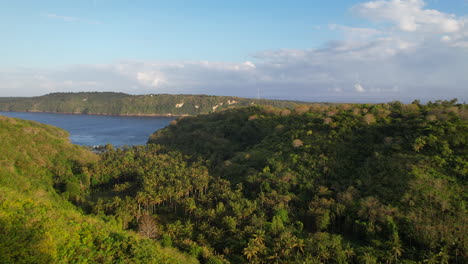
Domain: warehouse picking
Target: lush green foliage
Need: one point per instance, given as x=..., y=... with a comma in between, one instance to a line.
x=318, y=184
x=124, y=104
x=343, y=183
x=39, y=170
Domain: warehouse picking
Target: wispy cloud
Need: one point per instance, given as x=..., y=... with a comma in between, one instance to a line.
x=410, y=16
x=356, y=32
x=73, y=19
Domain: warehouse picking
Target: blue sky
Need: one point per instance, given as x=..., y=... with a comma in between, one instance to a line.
x=142, y=46
x=105, y=31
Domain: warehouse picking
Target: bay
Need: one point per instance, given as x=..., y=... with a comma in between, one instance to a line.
x=92, y=130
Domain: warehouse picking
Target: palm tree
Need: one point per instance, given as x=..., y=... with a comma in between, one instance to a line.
x=250, y=252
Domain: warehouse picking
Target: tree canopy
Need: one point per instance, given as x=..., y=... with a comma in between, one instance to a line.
x=345, y=183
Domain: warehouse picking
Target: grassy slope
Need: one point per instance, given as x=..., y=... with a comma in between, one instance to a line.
x=124, y=104
x=37, y=225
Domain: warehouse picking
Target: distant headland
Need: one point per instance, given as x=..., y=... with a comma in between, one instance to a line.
x=112, y=103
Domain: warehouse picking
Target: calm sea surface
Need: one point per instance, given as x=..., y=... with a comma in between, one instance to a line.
x=90, y=130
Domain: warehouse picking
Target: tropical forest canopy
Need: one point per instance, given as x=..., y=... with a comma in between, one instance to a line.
x=40, y=172
x=347, y=183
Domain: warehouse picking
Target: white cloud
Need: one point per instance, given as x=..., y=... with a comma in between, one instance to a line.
x=425, y=71
x=249, y=64
x=428, y=63
x=153, y=79
x=410, y=16
x=358, y=88
x=446, y=38
x=73, y=19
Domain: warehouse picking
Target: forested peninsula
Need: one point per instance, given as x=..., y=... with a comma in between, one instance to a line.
x=347, y=183
x=110, y=103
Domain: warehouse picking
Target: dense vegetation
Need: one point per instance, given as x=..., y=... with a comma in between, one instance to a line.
x=124, y=104
x=379, y=183
x=39, y=172
x=383, y=183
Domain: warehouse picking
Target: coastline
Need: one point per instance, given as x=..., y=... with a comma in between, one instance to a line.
x=102, y=114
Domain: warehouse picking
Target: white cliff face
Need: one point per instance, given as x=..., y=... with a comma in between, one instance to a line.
x=216, y=106
x=232, y=102
x=179, y=105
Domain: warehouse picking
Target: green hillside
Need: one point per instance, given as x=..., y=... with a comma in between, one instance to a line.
x=40, y=172
x=349, y=183
x=124, y=104
x=320, y=184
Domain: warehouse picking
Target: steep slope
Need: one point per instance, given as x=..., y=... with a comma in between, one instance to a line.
x=39, y=170
x=123, y=104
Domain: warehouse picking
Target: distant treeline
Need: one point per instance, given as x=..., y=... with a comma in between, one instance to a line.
x=110, y=103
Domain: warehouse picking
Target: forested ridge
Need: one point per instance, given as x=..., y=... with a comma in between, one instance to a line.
x=110, y=103
x=383, y=183
x=345, y=183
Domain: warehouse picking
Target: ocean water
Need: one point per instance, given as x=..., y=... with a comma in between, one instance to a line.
x=92, y=130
